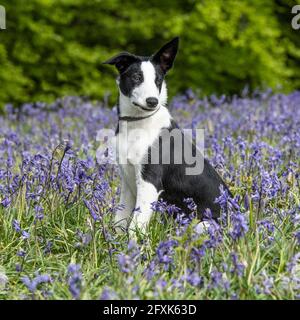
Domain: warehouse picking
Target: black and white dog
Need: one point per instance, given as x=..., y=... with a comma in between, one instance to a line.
x=142, y=106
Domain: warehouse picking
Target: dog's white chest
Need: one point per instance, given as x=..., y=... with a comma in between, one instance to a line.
x=135, y=138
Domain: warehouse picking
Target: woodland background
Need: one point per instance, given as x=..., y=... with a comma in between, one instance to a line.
x=54, y=48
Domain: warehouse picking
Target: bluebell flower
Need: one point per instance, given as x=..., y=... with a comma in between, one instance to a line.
x=239, y=226
x=74, y=280
x=35, y=282
x=16, y=225
x=6, y=202
x=92, y=209
x=165, y=251
x=108, y=294
x=238, y=268
x=191, y=205
x=161, y=284
x=25, y=234
x=128, y=262
x=297, y=235
x=39, y=212
x=193, y=278
x=21, y=253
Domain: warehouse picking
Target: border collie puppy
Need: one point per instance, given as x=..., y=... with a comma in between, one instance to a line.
x=142, y=108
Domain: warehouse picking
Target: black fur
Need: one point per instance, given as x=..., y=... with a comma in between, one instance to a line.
x=166, y=55
x=176, y=185
x=131, y=78
x=159, y=76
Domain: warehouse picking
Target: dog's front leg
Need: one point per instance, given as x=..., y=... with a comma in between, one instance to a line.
x=146, y=195
x=127, y=203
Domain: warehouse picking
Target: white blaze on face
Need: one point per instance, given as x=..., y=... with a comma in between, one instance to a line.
x=148, y=88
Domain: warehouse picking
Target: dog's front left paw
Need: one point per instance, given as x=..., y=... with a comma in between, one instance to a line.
x=121, y=222
x=137, y=229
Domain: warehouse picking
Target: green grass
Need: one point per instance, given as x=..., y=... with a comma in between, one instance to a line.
x=99, y=264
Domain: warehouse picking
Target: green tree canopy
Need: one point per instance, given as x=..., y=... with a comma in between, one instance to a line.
x=53, y=48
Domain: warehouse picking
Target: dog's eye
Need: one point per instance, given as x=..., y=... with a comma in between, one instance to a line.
x=136, y=77
x=158, y=81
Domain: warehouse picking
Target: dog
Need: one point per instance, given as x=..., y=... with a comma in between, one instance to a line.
x=142, y=106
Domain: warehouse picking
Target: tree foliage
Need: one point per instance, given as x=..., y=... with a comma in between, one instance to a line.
x=54, y=48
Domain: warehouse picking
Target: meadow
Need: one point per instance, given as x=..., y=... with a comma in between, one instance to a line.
x=57, y=238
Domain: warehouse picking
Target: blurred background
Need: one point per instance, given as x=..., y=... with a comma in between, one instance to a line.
x=54, y=48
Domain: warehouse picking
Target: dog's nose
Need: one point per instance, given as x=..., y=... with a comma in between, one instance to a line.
x=152, y=102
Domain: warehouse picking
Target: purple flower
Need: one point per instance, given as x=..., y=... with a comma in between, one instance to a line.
x=125, y=263
x=165, y=252
x=239, y=226
x=191, y=205
x=207, y=214
x=6, y=202
x=268, y=283
x=150, y=270
x=217, y=281
x=108, y=294
x=48, y=247
x=92, y=209
x=293, y=263
x=19, y=267
x=198, y=253
x=222, y=200
x=246, y=202
x=159, y=206
x=85, y=238
x=267, y=225
x=25, y=234
x=16, y=225
x=215, y=235
x=238, y=268
x=193, y=278
x=21, y=253
x=74, y=280
x=128, y=262
x=39, y=212
x=163, y=207
x=35, y=282
x=161, y=284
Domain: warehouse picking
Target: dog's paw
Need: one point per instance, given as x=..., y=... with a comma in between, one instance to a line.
x=136, y=229
x=202, y=227
x=120, y=226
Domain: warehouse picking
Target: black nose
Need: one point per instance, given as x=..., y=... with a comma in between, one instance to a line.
x=152, y=102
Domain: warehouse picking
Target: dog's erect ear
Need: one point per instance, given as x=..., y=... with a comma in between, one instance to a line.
x=122, y=61
x=166, y=55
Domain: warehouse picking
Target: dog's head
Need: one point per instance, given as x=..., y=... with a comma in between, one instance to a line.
x=141, y=80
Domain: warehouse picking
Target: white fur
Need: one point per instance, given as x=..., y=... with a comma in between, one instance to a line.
x=202, y=227
x=146, y=194
x=148, y=87
x=133, y=141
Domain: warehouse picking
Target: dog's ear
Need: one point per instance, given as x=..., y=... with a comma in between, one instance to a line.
x=122, y=61
x=166, y=55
